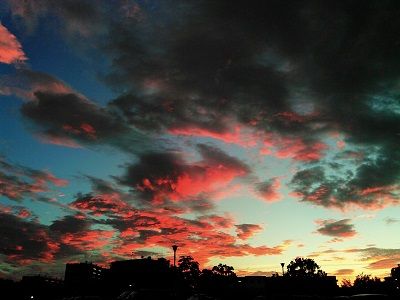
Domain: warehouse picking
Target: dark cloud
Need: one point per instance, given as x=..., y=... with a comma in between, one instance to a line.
x=299, y=70
x=82, y=18
x=70, y=224
x=71, y=117
x=339, y=229
x=347, y=188
x=143, y=253
x=24, y=83
x=59, y=115
x=202, y=77
x=245, y=231
x=268, y=190
x=215, y=157
x=24, y=241
x=28, y=243
x=390, y=221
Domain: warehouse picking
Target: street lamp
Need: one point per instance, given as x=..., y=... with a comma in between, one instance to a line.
x=283, y=270
x=174, y=247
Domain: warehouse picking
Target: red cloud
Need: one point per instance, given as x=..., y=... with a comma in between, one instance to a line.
x=10, y=49
x=26, y=241
x=166, y=177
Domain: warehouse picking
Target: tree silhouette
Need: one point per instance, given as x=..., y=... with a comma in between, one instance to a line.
x=218, y=281
x=224, y=270
x=304, y=267
x=367, y=283
x=189, y=268
x=346, y=283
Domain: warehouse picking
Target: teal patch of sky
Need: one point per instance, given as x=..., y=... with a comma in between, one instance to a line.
x=380, y=233
x=46, y=212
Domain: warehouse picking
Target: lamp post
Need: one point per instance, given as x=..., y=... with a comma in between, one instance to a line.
x=283, y=270
x=174, y=247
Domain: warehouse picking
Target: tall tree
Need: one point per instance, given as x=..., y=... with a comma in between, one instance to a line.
x=304, y=267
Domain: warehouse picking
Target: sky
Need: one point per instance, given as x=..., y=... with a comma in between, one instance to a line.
x=246, y=133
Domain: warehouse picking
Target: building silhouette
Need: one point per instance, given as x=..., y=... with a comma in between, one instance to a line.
x=83, y=273
x=141, y=273
x=39, y=287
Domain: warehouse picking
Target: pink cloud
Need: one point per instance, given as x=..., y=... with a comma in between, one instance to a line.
x=342, y=272
x=88, y=240
x=10, y=48
x=239, y=136
x=385, y=263
x=59, y=141
x=297, y=149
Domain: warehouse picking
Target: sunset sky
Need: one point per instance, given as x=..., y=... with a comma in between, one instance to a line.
x=245, y=132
